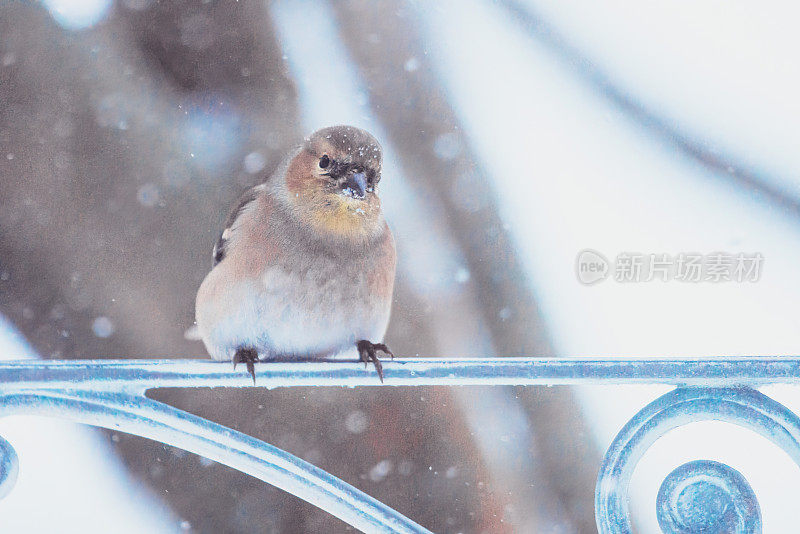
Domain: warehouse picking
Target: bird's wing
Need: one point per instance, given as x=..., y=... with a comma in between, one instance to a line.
x=245, y=200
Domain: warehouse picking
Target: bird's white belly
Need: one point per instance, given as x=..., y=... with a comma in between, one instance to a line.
x=284, y=314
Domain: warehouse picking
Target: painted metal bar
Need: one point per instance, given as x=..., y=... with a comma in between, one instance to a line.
x=140, y=375
x=138, y=415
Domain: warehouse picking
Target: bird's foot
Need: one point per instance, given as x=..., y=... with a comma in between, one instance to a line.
x=367, y=352
x=249, y=357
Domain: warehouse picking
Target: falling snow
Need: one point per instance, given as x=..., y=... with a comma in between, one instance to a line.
x=254, y=162
x=103, y=327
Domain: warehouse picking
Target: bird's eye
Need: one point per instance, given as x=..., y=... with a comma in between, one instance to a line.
x=324, y=161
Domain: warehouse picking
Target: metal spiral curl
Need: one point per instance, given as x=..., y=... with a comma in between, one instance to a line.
x=9, y=467
x=698, y=497
x=729, y=503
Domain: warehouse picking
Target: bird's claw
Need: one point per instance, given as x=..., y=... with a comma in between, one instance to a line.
x=367, y=352
x=249, y=357
x=383, y=348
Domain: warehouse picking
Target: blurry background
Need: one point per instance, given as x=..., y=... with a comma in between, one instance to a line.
x=516, y=134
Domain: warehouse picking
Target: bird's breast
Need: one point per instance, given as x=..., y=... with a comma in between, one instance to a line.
x=319, y=307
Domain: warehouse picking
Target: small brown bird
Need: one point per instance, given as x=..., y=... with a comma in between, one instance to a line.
x=305, y=265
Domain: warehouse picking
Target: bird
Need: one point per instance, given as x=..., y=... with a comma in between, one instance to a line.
x=305, y=265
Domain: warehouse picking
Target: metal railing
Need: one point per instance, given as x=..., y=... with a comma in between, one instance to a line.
x=700, y=496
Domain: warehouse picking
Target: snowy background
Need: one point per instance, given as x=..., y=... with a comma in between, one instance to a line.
x=517, y=133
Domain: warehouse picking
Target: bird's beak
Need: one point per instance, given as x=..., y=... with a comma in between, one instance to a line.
x=356, y=185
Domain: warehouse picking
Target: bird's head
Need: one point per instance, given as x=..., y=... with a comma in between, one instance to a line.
x=331, y=183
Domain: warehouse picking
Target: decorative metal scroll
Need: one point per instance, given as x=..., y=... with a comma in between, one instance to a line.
x=700, y=496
